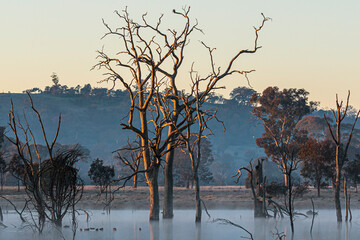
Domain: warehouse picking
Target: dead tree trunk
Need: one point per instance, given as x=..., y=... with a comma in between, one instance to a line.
x=197, y=198
x=258, y=191
x=259, y=181
x=339, y=116
x=338, y=178
x=152, y=180
x=135, y=181
x=290, y=204
x=346, y=200
x=168, y=209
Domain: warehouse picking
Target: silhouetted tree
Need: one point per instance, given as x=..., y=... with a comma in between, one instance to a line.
x=56, y=88
x=242, y=95
x=101, y=175
x=55, y=79
x=86, y=90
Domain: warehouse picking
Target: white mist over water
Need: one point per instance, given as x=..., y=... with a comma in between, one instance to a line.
x=134, y=225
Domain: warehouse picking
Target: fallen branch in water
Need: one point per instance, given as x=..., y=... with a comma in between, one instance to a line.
x=226, y=221
x=15, y=208
x=205, y=208
x=313, y=215
x=279, y=235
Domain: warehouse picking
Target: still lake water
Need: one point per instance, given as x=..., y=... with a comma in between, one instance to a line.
x=134, y=225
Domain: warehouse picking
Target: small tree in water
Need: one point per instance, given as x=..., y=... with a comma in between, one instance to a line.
x=52, y=186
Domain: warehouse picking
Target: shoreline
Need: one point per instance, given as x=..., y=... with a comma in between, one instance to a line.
x=215, y=197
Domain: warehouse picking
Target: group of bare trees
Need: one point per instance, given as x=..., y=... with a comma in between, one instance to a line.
x=148, y=66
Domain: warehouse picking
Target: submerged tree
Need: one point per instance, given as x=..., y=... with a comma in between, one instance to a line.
x=279, y=112
x=340, y=155
x=153, y=57
x=52, y=185
x=143, y=58
x=257, y=185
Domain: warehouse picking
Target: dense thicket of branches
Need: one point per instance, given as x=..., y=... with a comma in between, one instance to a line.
x=52, y=185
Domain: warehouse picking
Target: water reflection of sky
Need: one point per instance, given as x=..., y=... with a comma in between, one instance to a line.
x=134, y=225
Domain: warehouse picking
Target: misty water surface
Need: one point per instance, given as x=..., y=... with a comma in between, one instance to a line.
x=134, y=225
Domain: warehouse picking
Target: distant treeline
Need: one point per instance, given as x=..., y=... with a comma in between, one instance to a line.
x=63, y=90
x=239, y=95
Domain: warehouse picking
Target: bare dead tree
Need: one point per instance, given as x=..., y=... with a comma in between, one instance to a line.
x=193, y=140
x=52, y=185
x=339, y=114
x=256, y=176
x=144, y=59
x=151, y=61
x=226, y=221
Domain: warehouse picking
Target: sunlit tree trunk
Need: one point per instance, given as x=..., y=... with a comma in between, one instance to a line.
x=338, y=178
x=152, y=168
x=197, y=198
x=283, y=163
x=152, y=180
x=168, y=183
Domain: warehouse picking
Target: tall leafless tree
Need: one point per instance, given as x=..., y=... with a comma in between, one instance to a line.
x=145, y=58
x=153, y=57
x=196, y=116
x=339, y=115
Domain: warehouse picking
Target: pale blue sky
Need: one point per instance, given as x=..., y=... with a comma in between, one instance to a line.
x=308, y=44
